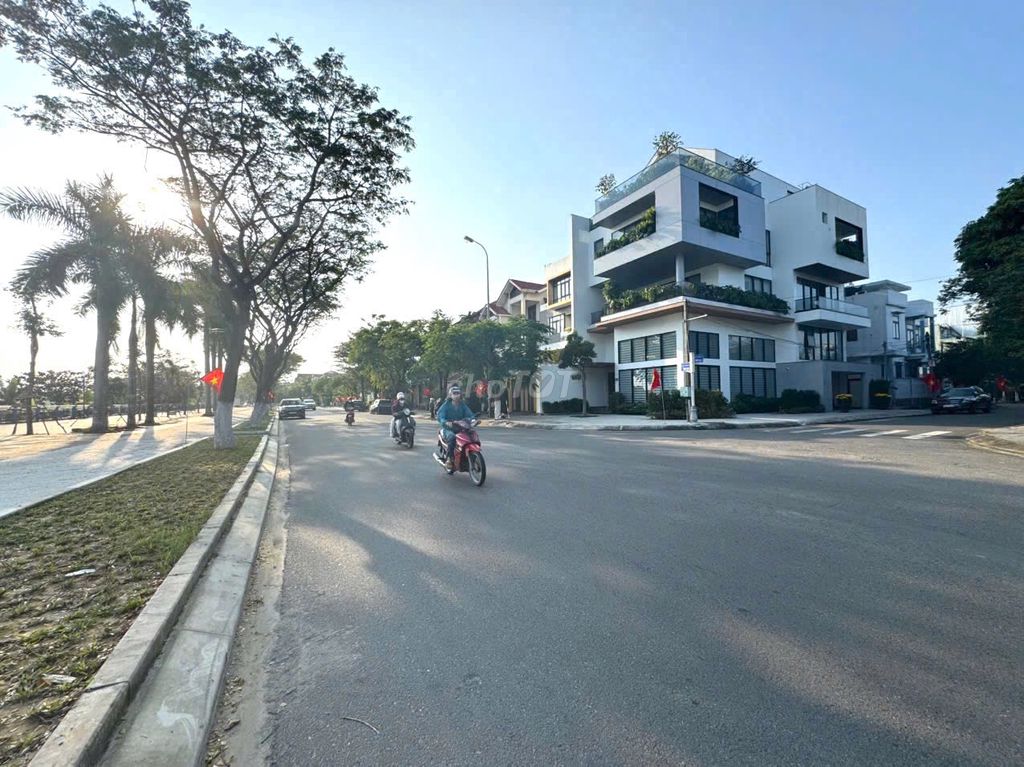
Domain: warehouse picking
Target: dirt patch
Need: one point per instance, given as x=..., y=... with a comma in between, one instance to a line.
x=242, y=731
x=77, y=570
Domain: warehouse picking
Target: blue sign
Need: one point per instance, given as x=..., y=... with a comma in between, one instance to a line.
x=698, y=359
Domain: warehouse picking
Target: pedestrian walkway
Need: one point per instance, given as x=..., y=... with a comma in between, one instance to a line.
x=33, y=468
x=642, y=423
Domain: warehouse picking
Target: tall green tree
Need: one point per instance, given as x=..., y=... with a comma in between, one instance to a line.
x=93, y=255
x=272, y=153
x=32, y=322
x=385, y=351
x=990, y=253
x=578, y=354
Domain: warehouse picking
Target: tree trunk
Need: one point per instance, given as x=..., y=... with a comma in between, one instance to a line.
x=583, y=380
x=150, y=322
x=29, y=410
x=206, y=363
x=101, y=370
x=259, y=411
x=133, y=363
x=223, y=435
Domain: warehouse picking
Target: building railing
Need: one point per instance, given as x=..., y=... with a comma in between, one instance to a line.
x=670, y=162
x=829, y=304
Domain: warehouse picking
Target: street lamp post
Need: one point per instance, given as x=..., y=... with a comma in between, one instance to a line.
x=487, y=262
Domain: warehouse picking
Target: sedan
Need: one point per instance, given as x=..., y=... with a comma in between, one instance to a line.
x=309, y=404
x=291, y=408
x=381, y=407
x=968, y=399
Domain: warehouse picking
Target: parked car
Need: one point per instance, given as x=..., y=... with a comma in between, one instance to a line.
x=291, y=408
x=968, y=399
x=381, y=407
x=356, y=404
x=309, y=404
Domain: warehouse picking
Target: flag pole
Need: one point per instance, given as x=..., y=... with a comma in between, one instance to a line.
x=664, y=415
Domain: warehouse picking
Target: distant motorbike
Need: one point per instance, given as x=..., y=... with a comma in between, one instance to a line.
x=468, y=456
x=404, y=428
x=350, y=416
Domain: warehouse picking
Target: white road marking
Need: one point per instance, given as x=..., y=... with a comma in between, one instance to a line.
x=883, y=433
x=841, y=431
x=927, y=434
x=804, y=431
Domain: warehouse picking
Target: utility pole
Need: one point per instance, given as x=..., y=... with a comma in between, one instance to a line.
x=691, y=399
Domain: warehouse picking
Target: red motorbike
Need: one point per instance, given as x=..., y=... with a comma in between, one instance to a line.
x=468, y=456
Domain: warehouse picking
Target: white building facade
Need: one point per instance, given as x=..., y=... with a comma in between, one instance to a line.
x=760, y=263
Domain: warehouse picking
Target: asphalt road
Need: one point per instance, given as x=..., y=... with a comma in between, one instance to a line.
x=829, y=595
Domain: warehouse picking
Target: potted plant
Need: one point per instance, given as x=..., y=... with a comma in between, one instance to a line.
x=843, y=402
x=881, y=401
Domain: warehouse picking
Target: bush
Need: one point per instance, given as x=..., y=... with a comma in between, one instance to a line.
x=616, y=400
x=711, y=403
x=671, y=405
x=563, y=406
x=800, y=401
x=748, y=403
x=879, y=386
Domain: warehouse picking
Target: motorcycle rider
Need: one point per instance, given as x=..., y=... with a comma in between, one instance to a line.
x=453, y=409
x=398, y=407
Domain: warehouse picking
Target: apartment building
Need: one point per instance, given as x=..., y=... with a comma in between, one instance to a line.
x=758, y=265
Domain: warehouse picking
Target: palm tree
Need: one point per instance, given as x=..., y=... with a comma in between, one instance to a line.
x=164, y=299
x=93, y=255
x=32, y=322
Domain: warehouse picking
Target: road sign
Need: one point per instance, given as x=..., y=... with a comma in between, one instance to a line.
x=698, y=359
x=685, y=391
x=685, y=367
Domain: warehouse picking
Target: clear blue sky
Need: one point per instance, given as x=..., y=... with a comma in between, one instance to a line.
x=913, y=110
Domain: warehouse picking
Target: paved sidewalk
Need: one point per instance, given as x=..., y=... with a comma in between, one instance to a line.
x=642, y=423
x=38, y=467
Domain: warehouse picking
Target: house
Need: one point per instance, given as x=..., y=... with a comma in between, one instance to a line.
x=900, y=343
x=753, y=266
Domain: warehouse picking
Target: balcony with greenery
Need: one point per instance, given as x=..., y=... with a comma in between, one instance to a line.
x=645, y=226
x=620, y=300
x=670, y=162
x=716, y=222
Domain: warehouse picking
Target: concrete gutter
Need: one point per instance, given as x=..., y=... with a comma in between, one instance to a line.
x=85, y=731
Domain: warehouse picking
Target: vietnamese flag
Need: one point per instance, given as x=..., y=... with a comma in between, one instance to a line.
x=214, y=378
x=656, y=381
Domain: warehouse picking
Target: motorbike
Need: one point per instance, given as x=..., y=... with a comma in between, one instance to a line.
x=468, y=456
x=350, y=416
x=406, y=428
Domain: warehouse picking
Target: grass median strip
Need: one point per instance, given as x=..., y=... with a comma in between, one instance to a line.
x=76, y=570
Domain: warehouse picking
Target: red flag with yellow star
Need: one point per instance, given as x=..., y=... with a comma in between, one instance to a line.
x=214, y=378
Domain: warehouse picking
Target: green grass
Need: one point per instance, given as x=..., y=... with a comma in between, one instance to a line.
x=131, y=528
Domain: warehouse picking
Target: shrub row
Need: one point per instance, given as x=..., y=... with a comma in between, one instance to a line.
x=563, y=406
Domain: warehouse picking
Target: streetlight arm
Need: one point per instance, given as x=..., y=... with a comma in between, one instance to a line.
x=487, y=263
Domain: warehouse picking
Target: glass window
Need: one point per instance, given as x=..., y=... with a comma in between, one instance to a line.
x=759, y=382
x=768, y=247
x=598, y=244
x=896, y=327
x=639, y=353
x=654, y=348
x=556, y=322
x=704, y=344
x=668, y=345
x=709, y=377
x=561, y=289
x=625, y=352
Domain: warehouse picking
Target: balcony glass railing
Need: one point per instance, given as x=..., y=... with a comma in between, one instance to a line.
x=831, y=305
x=667, y=163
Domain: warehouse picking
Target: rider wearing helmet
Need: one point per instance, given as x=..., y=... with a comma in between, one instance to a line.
x=398, y=407
x=453, y=409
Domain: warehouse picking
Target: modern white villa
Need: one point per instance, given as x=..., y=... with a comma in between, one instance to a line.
x=760, y=267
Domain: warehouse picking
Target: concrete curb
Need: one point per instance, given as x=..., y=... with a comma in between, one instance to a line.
x=988, y=441
x=654, y=425
x=83, y=734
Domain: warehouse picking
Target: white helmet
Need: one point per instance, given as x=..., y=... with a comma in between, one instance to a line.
x=401, y=395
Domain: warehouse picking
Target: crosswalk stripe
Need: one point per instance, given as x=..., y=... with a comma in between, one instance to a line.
x=841, y=431
x=926, y=435
x=802, y=431
x=883, y=433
